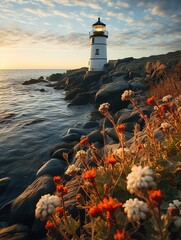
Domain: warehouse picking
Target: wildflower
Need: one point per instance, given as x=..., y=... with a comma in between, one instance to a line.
x=80, y=198
x=151, y=101
x=140, y=178
x=156, y=108
x=95, y=211
x=57, y=179
x=90, y=174
x=59, y=210
x=46, y=206
x=174, y=208
x=120, y=128
x=122, y=235
x=84, y=141
x=127, y=95
x=81, y=155
x=141, y=146
x=165, y=125
x=156, y=197
x=111, y=159
x=61, y=189
x=118, y=153
x=104, y=107
x=49, y=225
x=72, y=170
x=135, y=209
x=109, y=204
x=167, y=98
x=167, y=107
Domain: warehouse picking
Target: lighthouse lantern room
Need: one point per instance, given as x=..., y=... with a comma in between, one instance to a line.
x=98, y=43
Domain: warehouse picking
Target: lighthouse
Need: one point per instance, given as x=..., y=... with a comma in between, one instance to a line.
x=98, y=43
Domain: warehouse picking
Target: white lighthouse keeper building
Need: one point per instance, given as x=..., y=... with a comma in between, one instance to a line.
x=98, y=43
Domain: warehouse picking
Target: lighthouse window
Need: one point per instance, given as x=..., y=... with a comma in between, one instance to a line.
x=97, y=51
x=92, y=40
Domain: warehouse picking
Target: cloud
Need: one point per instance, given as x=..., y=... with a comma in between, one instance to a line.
x=61, y=14
x=18, y=36
x=38, y=12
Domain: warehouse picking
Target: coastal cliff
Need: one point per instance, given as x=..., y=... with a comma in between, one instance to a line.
x=139, y=76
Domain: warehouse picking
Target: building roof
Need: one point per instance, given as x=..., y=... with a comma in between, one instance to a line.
x=99, y=23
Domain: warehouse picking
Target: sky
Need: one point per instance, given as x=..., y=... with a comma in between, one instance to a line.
x=54, y=34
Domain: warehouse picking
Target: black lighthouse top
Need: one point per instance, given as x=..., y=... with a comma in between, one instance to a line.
x=99, y=23
x=98, y=29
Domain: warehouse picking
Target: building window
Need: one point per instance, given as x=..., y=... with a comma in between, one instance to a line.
x=97, y=51
x=92, y=40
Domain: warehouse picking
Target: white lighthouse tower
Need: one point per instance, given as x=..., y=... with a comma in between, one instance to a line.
x=98, y=43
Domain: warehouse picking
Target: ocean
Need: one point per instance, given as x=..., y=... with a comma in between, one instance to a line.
x=31, y=123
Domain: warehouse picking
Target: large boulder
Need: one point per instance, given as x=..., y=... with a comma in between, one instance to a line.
x=80, y=99
x=23, y=207
x=111, y=93
x=15, y=232
x=54, y=167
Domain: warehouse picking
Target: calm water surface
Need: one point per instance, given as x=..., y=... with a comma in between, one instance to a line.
x=31, y=122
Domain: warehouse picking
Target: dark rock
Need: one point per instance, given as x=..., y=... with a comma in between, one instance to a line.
x=33, y=81
x=111, y=133
x=42, y=90
x=62, y=145
x=78, y=131
x=95, y=136
x=137, y=86
x=54, y=167
x=23, y=207
x=55, y=77
x=92, y=77
x=4, y=182
x=71, y=137
x=91, y=124
x=58, y=154
x=15, y=232
x=111, y=93
x=133, y=117
x=80, y=99
x=72, y=93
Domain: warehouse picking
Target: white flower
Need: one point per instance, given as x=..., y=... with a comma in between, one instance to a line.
x=165, y=125
x=46, y=206
x=118, y=153
x=167, y=98
x=155, y=108
x=81, y=155
x=104, y=107
x=72, y=170
x=135, y=209
x=140, y=178
x=127, y=95
x=175, y=205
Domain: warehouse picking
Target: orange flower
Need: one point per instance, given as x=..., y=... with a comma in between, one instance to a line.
x=59, y=210
x=167, y=107
x=84, y=141
x=141, y=146
x=120, y=128
x=61, y=189
x=49, y=225
x=151, y=101
x=111, y=159
x=109, y=204
x=156, y=197
x=95, y=211
x=90, y=174
x=122, y=235
x=57, y=179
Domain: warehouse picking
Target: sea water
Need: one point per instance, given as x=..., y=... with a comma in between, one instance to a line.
x=32, y=121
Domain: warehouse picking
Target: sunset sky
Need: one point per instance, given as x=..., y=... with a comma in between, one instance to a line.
x=55, y=33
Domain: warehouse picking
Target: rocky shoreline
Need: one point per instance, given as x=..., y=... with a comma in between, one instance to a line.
x=17, y=220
